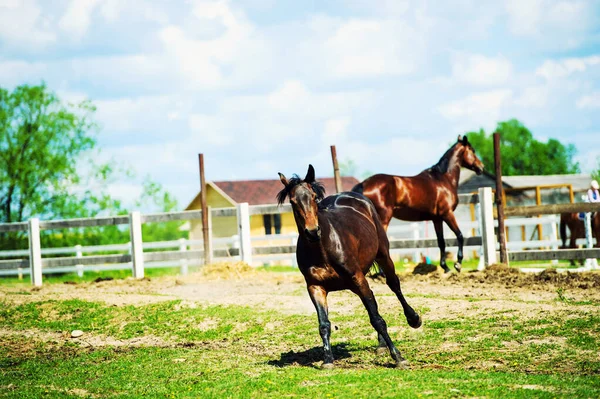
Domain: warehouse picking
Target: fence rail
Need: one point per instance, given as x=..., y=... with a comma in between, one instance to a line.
x=137, y=255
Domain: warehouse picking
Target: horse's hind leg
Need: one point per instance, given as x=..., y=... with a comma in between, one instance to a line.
x=362, y=289
x=318, y=296
x=392, y=280
x=451, y=222
x=439, y=232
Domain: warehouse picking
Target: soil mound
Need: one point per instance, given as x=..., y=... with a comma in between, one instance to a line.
x=227, y=270
x=424, y=268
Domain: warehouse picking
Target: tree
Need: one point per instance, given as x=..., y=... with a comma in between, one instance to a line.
x=522, y=154
x=596, y=173
x=40, y=141
x=43, y=172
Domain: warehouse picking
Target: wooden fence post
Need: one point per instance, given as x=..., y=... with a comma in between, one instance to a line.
x=35, y=252
x=488, y=238
x=336, y=171
x=137, y=251
x=243, y=216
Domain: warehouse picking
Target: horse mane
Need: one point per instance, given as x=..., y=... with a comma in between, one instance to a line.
x=316, y=186
x=444, y=163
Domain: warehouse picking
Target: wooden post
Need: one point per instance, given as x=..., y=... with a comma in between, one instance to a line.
x=35, y=252
x=243, y=214
x=336, y=171
x=205, y=232
x=488, y=238
x=499, y=198
x=137, y=251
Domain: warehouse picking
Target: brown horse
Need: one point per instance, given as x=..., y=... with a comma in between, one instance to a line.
x=430, y=195
x=339, y=239
x=577, y=229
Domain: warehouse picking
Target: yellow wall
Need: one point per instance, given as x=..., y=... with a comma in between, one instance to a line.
x=226, y=226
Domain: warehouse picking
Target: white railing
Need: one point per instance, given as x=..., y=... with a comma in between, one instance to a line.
x=137, y=255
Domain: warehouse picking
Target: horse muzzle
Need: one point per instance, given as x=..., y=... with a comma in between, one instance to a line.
x=313, y=235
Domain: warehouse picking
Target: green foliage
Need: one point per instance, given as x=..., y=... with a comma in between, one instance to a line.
x=350, y=168
x=43, y=142
x=522, y=154
x=40, y=137
x=596, y=173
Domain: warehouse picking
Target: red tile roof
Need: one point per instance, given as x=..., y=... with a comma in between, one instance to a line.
x=263, y=192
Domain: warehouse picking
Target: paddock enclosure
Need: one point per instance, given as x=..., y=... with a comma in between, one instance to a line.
x=234, y=331
x=408, y=240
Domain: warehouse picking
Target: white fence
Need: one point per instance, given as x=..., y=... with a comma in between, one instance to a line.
x=137, y=255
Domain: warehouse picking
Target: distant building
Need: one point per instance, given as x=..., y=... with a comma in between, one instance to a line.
x=227, y=194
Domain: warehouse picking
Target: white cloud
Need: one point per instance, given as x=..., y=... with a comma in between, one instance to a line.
x=23, y=25
x=370, y=47
x=480, y=70
x=533, y=17
x=484, y=105
x=13, y=73
x=590, y=101
x=524, y=16
x=138, y=114
x=552, y=69
x=77, y=18
x=533, y=97
x=237, y=57
x=335, y=130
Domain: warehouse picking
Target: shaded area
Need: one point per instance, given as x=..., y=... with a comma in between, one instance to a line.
x=310, y=357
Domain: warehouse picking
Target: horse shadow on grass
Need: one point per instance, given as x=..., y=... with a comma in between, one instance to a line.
x=310, y=358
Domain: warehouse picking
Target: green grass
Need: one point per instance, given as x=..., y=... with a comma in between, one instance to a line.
x=89, y=276
x=242, y=352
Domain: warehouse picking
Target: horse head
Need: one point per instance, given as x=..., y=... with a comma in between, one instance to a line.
x=469, y=159
x=304, y=196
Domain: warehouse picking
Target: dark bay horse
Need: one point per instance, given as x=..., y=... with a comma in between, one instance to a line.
x=577, y=229
x=430, y=195
x=339, y=239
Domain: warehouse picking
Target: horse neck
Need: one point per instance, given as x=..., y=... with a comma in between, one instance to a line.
x=454, y=166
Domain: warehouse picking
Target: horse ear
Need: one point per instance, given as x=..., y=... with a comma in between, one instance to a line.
x=283, y=179
x=465, y=140
x=310, y=175
x=459, y=138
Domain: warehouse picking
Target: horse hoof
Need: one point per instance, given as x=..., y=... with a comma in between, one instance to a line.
x=446, y=270
x=327, y=366
x=418, y=324
x=458, y=267
x=382, y=350
x=402, y=364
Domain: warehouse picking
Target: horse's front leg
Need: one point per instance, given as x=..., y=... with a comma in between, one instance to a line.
x=451, y=222
x=318, y=296
x=439, y=233
x=362, y=289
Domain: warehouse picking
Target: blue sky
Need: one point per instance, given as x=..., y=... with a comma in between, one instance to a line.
x=265, y=86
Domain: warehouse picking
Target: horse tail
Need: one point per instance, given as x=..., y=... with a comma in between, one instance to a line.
x=563, y=230
x=359, y=188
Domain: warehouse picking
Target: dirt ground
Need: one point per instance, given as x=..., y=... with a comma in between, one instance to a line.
x=443, y=295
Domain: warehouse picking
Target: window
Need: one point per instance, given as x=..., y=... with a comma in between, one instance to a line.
x=271, y=221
